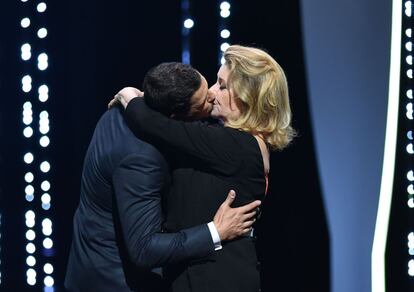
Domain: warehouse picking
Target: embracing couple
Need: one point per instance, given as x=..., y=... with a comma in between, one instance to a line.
x=173, y=178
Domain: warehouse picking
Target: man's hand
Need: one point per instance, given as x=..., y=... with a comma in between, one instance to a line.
x=233, y=222
x=125, y=95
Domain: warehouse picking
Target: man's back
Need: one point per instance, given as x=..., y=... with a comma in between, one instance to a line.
x=99, y=259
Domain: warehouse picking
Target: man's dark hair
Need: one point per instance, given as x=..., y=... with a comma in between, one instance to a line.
x=168, y=88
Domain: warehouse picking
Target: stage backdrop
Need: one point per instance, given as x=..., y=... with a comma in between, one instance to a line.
x=347, y=45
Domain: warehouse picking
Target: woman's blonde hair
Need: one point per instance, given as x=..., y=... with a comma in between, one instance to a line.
x=259, y=82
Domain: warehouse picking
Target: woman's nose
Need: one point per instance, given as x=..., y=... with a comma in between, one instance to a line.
x=211, y=95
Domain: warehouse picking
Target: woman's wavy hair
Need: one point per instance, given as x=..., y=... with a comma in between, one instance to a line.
x=259, y=82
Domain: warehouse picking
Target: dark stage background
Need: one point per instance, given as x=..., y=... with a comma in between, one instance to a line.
x=97, y=47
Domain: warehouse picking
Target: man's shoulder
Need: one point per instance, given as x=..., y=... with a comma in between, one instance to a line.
x=113, y=138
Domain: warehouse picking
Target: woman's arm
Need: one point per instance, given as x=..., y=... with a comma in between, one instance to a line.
x=215, y=146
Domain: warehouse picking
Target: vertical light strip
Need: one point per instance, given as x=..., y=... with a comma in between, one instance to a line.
x=381, y=227
x=408, y=97
x=44, y=166
x=28, y=158
x=187, y=23
x=224, y=31
x=35, y=64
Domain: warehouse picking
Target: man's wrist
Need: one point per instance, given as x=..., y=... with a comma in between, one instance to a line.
x=214, y=235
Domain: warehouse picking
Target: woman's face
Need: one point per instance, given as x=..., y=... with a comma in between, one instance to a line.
x=225, y=106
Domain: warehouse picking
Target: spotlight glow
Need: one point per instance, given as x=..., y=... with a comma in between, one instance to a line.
x=44, y=128
x=224, y=47
x=45, y=198
x=45, y=206
x=30, y=234
x=30, y=215
x=49, y=282
x=42, y=62
x=188, y=23
x=225, y=5
x=29, y=190
x=48, y=268
x=28, y=177
x=25, y=22
x=43, y=115
x=42, y=33
x=31, y=273
x=31, y=281
x=410, y=203
x=411, y=268
x=28, y=158
x=47, y=243
x=26, y=79
x=47, y=227
x=45, y=166
x=45, y=186
x=28, y=132
x=410, y=149
x=44, y=141
x=225, y=13
x=408, y=8
x=41, y=7
x=409, y=113
x=30, y=261
x=225, y=33
x=43, y=93
x=26, y=53
x=410, y=189
x=30, y=248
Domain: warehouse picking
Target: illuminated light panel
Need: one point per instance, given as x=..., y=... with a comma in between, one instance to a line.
x=378, y=274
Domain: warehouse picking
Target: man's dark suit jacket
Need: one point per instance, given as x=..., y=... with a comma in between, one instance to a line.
x=208, y=161
x=117, y=239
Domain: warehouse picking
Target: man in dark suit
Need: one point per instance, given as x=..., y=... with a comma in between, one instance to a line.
x=117, y=235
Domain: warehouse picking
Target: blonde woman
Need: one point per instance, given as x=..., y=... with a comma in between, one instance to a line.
x=251, y=101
